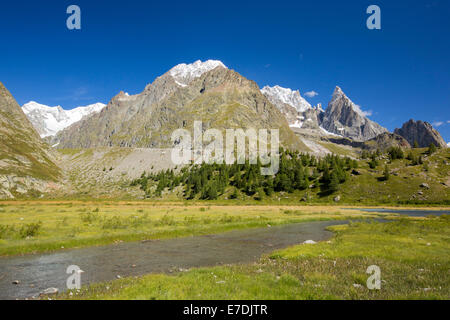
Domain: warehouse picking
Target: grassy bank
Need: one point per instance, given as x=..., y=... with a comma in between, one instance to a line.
x=41, y=226
x=413, y=255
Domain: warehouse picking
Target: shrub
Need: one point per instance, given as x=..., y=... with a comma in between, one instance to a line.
x=235, y=194
x=167, y=220
x=30, y=230
x=89, y=217
x=6, y=231
x=431, y=149
x=114, y=223
x=139, y=220
x=260, y=194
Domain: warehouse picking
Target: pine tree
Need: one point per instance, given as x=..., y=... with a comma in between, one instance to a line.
x=333, y=185
x=326, y=174
x=386, y=173
x=268, y=189
x=211, y=193
x=373, y=163
x=431, y=149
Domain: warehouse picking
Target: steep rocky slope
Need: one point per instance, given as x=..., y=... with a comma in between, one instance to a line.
x=26, y=162
x=421, y=132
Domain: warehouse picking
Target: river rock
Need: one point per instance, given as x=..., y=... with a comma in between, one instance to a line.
x=49, y=291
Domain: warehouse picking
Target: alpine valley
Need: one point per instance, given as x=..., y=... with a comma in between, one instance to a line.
x=99, y=151
x=308, y=161
x=97, y=186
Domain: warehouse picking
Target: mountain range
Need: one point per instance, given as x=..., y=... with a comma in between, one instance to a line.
x=48, y=121
x=221, y=98
x=203, y=91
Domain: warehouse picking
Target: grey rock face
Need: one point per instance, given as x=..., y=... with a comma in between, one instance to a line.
x=421, y=132
x=312, y=118
x=344, y=118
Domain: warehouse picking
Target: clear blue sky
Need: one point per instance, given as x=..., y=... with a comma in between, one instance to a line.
x=399, y=72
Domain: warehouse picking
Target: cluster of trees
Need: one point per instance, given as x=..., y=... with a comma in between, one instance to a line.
x=209, y=181
x=395, y=153
x=415, y=159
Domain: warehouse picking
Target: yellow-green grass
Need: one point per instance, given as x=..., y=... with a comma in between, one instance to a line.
x=412, y=254
x=338, y=149
x=67, y=225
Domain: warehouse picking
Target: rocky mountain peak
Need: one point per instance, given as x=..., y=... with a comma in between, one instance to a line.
x=421, y=132
x=338, y=93
x=345, y=118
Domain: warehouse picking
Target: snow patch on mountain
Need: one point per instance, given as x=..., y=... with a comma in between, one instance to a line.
x=50, y=120
x=183, y=73
x=277, y=95
x=329, y=133
x=297, y=124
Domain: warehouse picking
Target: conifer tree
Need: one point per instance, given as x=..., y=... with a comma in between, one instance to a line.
x=386, y=173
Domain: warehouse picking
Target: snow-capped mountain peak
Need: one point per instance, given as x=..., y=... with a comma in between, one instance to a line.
x=33, y=105
x=50, y=120
x=185, y=73
x=288, y=96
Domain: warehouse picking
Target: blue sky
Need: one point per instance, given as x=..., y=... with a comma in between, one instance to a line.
x=399, y=72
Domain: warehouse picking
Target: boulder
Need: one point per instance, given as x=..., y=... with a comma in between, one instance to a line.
x=49, y=291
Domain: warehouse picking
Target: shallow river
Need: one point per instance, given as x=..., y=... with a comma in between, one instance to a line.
x=408, y=212
x=38, y=272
